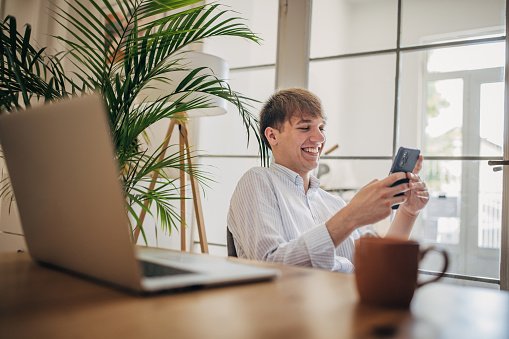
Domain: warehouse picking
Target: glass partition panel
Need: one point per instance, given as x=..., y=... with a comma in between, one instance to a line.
x=431, y=21
x=345, y=26
x=358, y=100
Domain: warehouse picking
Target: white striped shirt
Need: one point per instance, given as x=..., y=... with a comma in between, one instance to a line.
x=272, y=219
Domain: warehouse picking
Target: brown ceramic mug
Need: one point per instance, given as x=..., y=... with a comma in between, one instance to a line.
x=386, y=270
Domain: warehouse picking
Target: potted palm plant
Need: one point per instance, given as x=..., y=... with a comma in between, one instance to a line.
x=120, y=51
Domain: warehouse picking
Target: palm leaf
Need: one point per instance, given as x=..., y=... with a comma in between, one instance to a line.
x=26, y=72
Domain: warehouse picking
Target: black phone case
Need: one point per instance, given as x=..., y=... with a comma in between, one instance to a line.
x=405, y=161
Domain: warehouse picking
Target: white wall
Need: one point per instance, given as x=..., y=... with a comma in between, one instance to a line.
x=39, y=14
x=36, y=13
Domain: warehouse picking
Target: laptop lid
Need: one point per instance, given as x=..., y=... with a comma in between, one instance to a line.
x=61, y=164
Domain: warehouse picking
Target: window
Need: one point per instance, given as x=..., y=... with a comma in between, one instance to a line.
x=437, y=85
x=396, y=73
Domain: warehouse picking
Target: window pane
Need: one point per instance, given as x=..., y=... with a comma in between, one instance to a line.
x=492, y=118
x=441, y=217
x=444, y=117
x=465, y=58
x=345, y=26
x=358, y=100
x=451, y=104
x=226, y=134
x=429, y=21
x=463, y=216
x=411, y=100
x=261, y=17
x=490, y=207
x=454, y=110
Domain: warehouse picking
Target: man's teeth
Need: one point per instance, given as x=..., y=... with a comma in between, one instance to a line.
x=311, y=149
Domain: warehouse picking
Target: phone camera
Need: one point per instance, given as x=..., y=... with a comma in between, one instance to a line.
x=404, y=159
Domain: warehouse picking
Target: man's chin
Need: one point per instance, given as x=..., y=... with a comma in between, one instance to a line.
x=313, y=166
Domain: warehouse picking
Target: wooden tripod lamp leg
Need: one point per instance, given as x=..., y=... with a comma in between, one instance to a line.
x=155, y=175
x=182, y=153
x=196, y=198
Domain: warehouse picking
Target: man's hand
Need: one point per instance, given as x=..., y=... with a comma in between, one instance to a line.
x=417, y=198
x=373, y=202
x=417, y=195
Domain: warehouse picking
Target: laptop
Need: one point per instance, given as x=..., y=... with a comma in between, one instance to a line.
x=62, y=167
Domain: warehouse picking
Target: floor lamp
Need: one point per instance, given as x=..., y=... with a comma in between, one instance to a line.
x=219, y=67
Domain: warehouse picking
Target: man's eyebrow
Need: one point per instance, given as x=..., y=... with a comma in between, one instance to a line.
x=307, y=121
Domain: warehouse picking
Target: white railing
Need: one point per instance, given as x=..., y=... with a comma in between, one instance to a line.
x=490, y=220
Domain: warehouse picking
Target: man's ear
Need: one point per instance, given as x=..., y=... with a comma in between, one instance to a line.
x=271, y=135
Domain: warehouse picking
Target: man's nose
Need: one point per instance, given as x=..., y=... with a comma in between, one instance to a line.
x=318, y=136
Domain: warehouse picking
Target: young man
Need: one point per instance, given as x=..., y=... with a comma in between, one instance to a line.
x=280, y=214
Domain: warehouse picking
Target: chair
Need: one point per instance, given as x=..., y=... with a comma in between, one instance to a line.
x=230, y=244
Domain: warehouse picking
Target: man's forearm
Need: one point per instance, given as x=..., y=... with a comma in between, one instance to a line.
x=402, y=224
x=342, y=225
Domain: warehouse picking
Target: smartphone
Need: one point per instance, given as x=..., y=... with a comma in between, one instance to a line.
x=405, y=161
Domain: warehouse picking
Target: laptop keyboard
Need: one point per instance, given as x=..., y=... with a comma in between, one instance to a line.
x=151, y=269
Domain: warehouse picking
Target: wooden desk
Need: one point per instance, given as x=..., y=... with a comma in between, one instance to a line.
x=36, y=302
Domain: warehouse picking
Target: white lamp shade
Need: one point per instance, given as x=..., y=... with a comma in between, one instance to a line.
x=192, y=60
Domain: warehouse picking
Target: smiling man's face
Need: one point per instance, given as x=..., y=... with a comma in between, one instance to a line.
x=299, y=143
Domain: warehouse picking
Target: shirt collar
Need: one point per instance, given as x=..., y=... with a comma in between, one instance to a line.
x=314, y=182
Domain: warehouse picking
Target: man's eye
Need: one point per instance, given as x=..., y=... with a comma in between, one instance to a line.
x=304, y=128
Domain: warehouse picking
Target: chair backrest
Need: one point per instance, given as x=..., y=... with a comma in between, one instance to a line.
x=230, y=244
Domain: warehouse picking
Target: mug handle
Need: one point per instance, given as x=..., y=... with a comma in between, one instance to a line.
x=422, y=253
